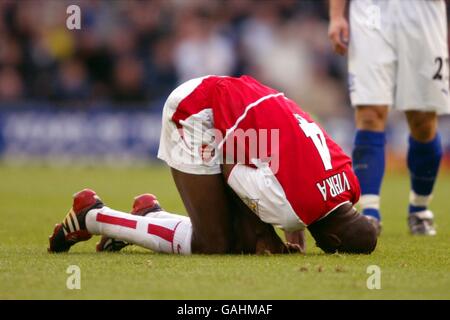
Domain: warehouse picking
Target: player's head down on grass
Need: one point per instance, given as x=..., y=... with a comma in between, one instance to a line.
x=344, y=230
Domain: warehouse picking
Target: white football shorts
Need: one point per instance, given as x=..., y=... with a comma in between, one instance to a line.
x=398, y=54
x=181, y=148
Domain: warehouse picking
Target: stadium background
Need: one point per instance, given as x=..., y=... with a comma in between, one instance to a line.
x=96, y=94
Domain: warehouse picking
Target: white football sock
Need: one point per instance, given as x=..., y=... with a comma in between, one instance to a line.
x=369, y=201
x=170, y=234
x=418, y=200
x=165, y=215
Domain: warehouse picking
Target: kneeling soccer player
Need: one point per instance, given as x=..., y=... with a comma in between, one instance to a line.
x=244, y=159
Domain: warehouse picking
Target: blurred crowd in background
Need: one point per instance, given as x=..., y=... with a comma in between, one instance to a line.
x=131, y=52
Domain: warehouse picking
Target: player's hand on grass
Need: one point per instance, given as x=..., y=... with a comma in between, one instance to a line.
x=281, y=248
x=272, y=244
x=338, y=32
x=295, y=241
x=294, y=248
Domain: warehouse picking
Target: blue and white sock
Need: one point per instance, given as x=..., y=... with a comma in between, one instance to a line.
x=368, y=164
x=423, y=165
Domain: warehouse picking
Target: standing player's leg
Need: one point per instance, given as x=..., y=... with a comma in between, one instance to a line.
x=423, y=93
x=369, y=156
x=372, y=66
x=424, y=157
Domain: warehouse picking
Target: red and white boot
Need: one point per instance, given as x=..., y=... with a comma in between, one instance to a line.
x=73, y=228
x=142, y=205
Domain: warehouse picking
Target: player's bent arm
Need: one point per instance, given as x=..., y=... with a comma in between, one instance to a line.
x=338, y=30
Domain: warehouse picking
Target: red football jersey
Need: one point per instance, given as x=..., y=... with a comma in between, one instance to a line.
x=314, y=172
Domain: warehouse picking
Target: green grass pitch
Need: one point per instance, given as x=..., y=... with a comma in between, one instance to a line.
x=33, y=199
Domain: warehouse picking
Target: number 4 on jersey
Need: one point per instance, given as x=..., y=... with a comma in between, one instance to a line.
x=313, y=131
